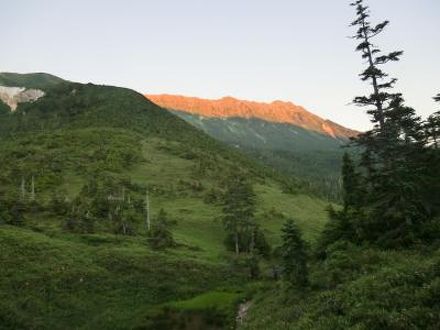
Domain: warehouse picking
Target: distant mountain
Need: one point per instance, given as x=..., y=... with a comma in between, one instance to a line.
x=280, y=134
x=275, y=112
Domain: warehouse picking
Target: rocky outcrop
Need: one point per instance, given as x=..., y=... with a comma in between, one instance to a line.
x=277, y=111
x=12, y=96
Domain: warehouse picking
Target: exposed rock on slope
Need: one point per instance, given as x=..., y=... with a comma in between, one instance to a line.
x=14, y=95
x=277, y=112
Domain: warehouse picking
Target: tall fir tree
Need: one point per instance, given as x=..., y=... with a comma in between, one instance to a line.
x=380, y=98
x=393, y=152
x=239, y=212
x=294, y=256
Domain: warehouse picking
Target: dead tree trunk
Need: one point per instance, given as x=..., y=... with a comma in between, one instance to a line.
x=33, y=189
x=147, y=211
x=23, y=189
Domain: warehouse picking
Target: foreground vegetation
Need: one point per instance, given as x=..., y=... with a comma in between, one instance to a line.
x=357, y=287
x=101, y=281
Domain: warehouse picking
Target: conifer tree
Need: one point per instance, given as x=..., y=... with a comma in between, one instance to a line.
x=350, y=183
x=433, y=130
x=294, y=257
x=238, y=211
x=395, y=125
x=160, y=235
x=12, y=212
x=380, y=98
x=79, y=219
x=87, y=223
x=432, y=127
x=432, y=185
x=393, y=152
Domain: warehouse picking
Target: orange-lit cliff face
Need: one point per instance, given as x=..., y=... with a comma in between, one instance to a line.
x=277, y=111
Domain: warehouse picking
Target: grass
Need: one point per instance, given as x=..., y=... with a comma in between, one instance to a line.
x=309, y=212
x=199, y=224
x=50, y=278
x=61, y=280
x=63, y=283
x=222, y=301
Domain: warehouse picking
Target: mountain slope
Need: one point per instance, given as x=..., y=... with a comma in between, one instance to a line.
x=281, y=135
x=275, y=112
x=58, y=154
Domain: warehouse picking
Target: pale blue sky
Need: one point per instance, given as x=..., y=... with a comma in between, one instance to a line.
x=252, y=49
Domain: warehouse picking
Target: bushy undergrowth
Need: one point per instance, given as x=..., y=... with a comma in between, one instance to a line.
x=358, y=287
x=63, y=284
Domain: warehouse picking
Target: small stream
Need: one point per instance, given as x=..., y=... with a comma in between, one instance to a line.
x=243, y=309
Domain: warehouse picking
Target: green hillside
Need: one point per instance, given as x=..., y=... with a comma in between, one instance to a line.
x=86, y=147
x=29, y=80
x=292, y=150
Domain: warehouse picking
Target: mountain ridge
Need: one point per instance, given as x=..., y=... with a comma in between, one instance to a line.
x=284, y=112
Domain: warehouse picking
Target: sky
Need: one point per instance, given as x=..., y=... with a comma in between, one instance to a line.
x=262, y=50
